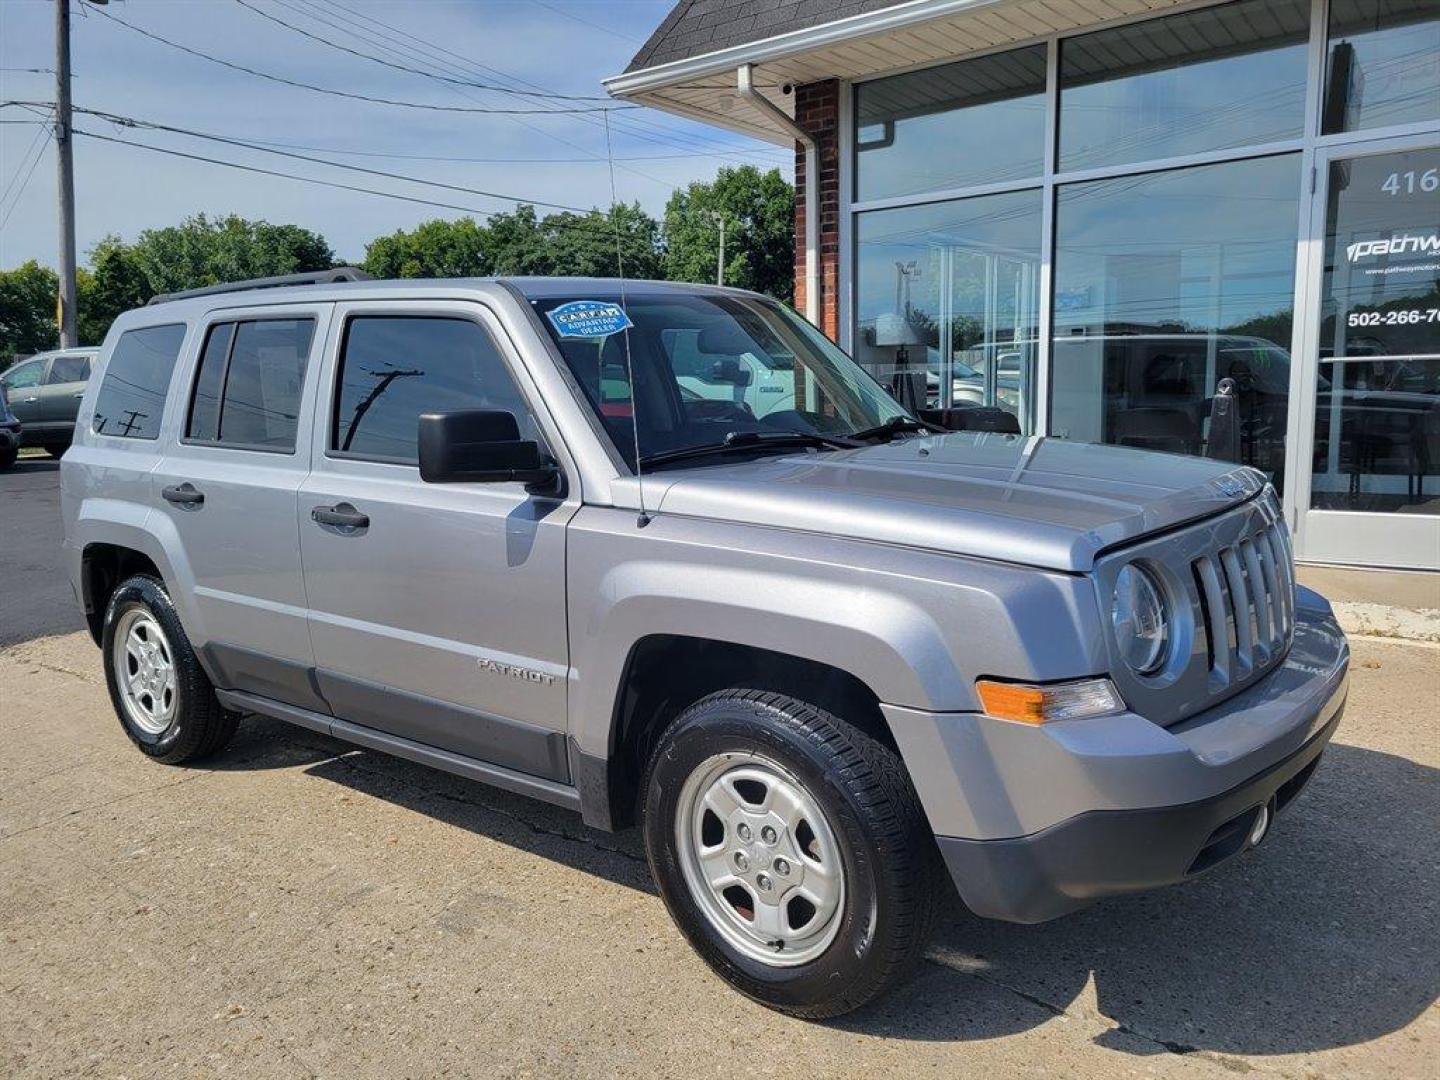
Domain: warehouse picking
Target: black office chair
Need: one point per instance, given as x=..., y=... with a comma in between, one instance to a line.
x=984, y=418
x=1174, y=430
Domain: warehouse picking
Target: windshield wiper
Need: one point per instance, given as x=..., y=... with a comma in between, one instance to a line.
x=739, y=441
x=894, y=426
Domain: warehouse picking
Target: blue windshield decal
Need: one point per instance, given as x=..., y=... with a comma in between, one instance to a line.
x=589, y=319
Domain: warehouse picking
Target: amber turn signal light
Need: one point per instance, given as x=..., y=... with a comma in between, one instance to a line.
x=1028, y=703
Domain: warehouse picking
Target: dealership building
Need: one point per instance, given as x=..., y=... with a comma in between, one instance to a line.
x=1074, y=218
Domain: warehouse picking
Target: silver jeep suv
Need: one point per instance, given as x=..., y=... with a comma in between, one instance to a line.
x=824, y=656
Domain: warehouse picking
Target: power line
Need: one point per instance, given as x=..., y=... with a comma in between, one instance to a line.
x=39, y=136
x=548, y=223
x=586, y=22
x=130, y=121
x=20, y=191
x=347, y=94
x=413, y=70
x=435, y=53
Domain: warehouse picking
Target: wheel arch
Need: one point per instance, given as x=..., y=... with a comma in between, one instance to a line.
x=664, y=673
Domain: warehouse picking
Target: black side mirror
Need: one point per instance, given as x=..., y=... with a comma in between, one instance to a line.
x=480, y=446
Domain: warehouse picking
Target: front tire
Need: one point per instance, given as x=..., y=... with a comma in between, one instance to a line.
x=8, y=455
x=165, y=701
x=791, y=850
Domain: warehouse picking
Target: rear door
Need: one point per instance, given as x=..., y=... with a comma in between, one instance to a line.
x=62, y=390
x=439, y=617
x=227, y=487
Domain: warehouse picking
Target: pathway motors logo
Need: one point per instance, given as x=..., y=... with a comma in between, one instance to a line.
x=1397, y=245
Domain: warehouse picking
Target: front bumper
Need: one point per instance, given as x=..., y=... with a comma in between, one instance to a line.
x=1038, y=821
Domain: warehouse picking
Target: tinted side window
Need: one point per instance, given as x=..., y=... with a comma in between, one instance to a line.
x=132, y=397
x=209, y=381
x=68, y=369
x=23, y=375
x=247, y=390
x=392, y=369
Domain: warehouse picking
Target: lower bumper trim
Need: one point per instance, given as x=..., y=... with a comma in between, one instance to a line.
x=1042, y=876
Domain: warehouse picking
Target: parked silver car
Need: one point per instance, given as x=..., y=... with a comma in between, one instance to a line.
x=45, y=392
x=822, y=656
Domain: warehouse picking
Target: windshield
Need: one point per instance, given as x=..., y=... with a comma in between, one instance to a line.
x=710, y=367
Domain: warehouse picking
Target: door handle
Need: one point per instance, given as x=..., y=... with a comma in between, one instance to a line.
x=341, y=516
x=79, y=395
x=31, y=400
x=183, y=495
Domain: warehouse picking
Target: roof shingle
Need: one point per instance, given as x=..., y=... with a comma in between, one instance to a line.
x=694, y=27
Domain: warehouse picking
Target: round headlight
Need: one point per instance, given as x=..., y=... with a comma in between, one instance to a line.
x=1140, y=619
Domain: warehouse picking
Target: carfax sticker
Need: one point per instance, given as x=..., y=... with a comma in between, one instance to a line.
x=589, y=319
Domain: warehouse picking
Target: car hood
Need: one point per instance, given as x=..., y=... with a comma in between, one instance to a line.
x=1038, y=501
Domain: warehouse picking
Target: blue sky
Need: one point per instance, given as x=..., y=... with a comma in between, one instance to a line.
x=562, y=46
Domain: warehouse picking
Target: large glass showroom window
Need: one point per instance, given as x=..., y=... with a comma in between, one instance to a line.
x=947, y=293
x=1166, y=283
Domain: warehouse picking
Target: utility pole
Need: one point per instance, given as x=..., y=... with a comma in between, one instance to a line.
x=65, y=311
x=65, y=161
x=717, y=217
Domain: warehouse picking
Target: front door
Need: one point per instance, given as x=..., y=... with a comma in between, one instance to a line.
x=1369, y=490
x=23, y=385
x=438, y=614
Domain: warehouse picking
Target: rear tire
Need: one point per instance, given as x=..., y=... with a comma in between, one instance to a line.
x=8, y=456
x=165, y=701
x=791, y=850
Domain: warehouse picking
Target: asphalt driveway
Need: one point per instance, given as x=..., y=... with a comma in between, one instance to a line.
x=304, y=908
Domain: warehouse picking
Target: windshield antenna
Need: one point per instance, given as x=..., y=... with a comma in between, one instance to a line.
x=644, y=518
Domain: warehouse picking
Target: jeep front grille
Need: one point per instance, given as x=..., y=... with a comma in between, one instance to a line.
x=1247, y=596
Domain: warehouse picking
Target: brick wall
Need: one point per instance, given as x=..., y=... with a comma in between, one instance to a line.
x=817, y=110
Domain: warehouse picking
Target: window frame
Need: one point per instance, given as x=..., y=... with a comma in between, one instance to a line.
x=208, y=327
x=327, y=431
x=182, y=354
x=1309, y=144
x=85, y=358
x=41, y=362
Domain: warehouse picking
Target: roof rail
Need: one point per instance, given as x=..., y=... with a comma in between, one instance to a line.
x=313, y=277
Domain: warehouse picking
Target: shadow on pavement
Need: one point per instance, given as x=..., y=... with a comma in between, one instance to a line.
x=29, y=465
x=521, y=822
x=1324, y=937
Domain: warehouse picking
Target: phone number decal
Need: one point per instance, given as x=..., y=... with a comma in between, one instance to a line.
x=1406, y=317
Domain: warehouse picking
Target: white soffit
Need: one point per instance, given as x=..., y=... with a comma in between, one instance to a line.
x=897, y=38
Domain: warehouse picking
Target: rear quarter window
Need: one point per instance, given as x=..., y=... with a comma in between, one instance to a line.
x=132, y=394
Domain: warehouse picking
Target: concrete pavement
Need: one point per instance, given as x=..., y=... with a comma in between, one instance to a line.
x=299, y=907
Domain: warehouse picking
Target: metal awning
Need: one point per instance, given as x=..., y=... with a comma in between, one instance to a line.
x=895, y=38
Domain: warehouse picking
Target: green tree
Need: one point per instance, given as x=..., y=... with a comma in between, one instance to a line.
x=759, y=212
x=200, y=252
x=114, y=283
x=27, y=311
x=585, y=245
x=439, y=248
x=520, y=242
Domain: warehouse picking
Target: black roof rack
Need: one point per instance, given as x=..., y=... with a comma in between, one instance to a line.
x=313, y=277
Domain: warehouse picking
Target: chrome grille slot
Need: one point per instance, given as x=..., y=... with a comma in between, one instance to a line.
x=1246, y=593
x=1217, y=623
x=1240, y=611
